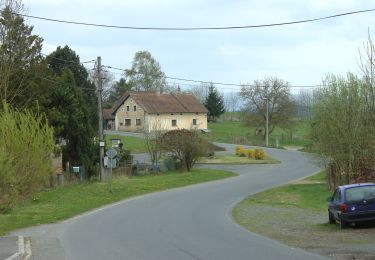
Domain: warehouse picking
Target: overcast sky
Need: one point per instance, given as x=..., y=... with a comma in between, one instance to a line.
x=301, y=54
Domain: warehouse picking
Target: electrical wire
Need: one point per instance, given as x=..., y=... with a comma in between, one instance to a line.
x=213, y=82
x=68, y=61
x=195, y=28
x=56, y=82
x=184, y=79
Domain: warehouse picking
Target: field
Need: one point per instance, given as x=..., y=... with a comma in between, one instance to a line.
x=237, y=132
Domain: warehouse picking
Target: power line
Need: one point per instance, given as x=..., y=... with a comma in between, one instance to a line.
x=213, y=82
x=193, y=80
x=68, y=61
x=57, y=82
x=195, y=28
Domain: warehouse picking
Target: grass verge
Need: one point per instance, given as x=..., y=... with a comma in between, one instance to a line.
x=310, y=193
x=59, y=204
x=226, y=159
x=296, y=215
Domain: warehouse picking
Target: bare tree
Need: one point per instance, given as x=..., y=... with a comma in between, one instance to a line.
x=108, y=82
x=367, y=60
x=274, y=92
x=172, y=88
x=153, y=137
x=200, y=92
x=231, y=101
x=305, y=101
x=367, y=66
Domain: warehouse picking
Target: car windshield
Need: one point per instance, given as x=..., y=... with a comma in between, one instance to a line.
x=360, y=193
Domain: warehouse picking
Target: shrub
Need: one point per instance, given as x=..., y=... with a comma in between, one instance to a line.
x=26, y=147
x=242, y=152
x=238, y=149
x=186, y=146
x=251, y=153
x=260, y=154
x=124, y=156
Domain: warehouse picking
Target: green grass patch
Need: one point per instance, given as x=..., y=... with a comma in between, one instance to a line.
x=306, y=194
x=321, y=176
x=227, y=159
x=59, y=204
x=134, y=144
x=237, y=132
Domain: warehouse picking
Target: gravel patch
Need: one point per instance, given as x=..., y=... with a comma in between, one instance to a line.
x=308, y=230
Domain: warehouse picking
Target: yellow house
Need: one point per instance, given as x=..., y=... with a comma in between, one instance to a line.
x=149, y=111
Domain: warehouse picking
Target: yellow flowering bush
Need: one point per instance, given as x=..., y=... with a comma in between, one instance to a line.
x=251, y=153
x=242, y=152
x=238, y=149
x=260, y=154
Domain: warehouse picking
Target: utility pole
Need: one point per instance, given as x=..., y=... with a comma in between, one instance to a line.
x=100, y=115
x=267, y=100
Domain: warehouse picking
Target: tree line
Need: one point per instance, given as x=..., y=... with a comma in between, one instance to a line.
x=44, y=100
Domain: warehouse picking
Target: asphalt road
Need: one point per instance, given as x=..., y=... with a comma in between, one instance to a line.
x=187, y=223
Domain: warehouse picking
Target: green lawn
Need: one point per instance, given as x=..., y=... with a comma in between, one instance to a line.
x=311, y=193
x=58, y=204
x=134, y=144
x=225, y=159
x=237, y=132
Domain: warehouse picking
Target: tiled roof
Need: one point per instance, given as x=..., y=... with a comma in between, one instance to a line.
x=107, y=114
x=154, y=103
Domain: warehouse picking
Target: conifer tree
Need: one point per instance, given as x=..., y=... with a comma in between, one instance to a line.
x=214, y=103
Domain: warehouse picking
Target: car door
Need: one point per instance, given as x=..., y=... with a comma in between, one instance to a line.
x=334, y=204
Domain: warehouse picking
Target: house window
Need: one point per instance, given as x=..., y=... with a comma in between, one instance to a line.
x=127, y=108
x=194, y=121
x=121, y=124
x=128, y=122
x=138, y=121
x=174, y=122
x=135, y=108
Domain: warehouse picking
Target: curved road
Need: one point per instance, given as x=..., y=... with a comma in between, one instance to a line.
x=186, y=223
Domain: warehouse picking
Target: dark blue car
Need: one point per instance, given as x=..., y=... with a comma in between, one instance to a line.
x=352, y=203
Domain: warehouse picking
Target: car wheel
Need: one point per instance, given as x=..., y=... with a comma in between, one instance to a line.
x=331, y=218
x=343, y=224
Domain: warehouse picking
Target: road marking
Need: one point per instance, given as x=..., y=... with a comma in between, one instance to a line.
x=21, y=250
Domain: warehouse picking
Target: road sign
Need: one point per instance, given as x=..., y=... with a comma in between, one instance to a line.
x=111, y=153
